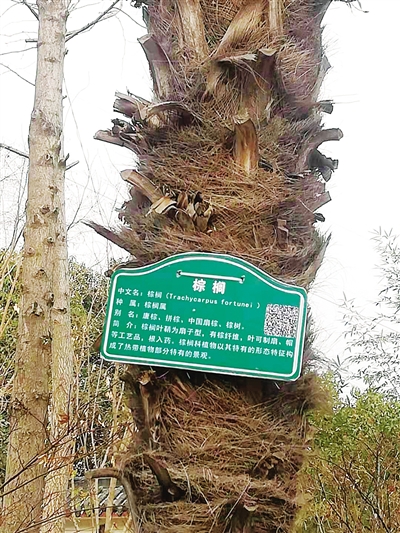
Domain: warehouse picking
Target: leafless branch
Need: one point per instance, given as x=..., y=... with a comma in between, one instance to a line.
x=91, y=24
x=350, y=4
x=23, y=154
x=16, y=73
x=367, y=499
x=30, y=9
x=71, y=165
x=342, y=521
x=131, y=18
x=14, y=150
x=17, y=51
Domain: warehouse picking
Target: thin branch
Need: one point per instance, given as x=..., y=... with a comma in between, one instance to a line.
x=343, y=521
x=16, y=73
x=358, y=7
x=346, y=470
x=30, y=9
x=14, y=150
x=71, y=165
x=375, y=508
x=91, y=24
x=26, y=156
x=132, y=19
x=31, y=463
x=17, y=51
x=103, y=472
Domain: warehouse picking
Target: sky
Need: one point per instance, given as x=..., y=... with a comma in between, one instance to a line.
x=363, y=82
x=365, y=189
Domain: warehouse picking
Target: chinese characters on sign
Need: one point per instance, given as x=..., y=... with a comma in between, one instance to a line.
x=206, y=312
x=218, y=287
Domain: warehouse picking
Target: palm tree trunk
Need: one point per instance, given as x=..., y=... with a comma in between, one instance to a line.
x=227, y=163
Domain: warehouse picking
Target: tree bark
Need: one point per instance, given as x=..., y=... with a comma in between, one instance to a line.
x=228, y=136
x=44, y=350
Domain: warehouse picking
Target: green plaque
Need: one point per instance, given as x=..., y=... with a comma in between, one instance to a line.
x=206, y=312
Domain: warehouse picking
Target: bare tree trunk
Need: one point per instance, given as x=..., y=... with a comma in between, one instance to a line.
x=44, y=351
x=61, y=377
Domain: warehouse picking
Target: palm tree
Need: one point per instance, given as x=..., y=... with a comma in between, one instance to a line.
x=228, y=161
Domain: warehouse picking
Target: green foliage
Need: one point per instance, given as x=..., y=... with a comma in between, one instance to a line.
x=374, y=341
x=9, y=295
x=3, y=444
x=92, y=400
x=88, y=298
x=353, y=478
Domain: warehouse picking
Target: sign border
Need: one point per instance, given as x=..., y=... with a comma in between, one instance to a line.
x=224, y=258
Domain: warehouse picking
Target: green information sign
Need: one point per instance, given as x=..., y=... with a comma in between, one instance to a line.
x=207, y=312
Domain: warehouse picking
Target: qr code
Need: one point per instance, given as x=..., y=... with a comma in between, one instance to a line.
x=281, y=320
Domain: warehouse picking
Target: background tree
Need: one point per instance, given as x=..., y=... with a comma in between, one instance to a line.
x=374, y=340
x=10, y=265
x=228, y=161
x=96, y=388
x=40, y=447
x=352, y=480
x=44, y=345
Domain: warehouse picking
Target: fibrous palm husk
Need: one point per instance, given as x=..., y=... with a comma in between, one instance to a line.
x=225, y=164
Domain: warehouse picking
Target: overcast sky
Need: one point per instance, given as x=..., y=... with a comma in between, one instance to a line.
x=363, y=82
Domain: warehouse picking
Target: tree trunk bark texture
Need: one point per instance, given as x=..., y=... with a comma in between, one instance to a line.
x=44, y=358
x=227, y=162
